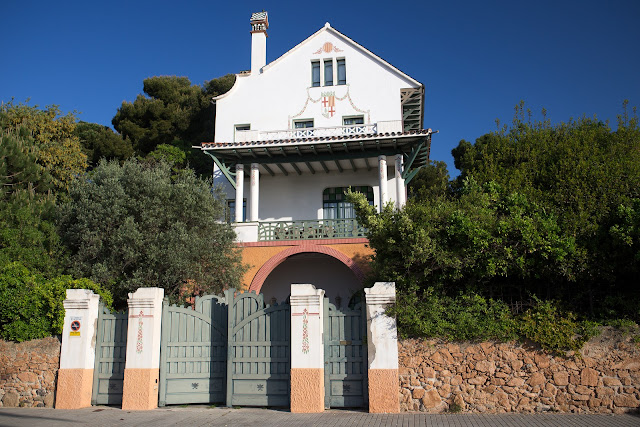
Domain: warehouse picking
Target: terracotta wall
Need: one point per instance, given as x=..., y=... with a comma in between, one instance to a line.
x=28, y=372
x=257, y=254
x=494, y=378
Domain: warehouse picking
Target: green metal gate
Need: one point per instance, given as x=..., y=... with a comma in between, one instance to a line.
x=193, y=352
x=345, y=353
x=111, y=349
x=259, y=352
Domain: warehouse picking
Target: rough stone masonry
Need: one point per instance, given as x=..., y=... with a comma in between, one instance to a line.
x=495, y=378
x=28, y=372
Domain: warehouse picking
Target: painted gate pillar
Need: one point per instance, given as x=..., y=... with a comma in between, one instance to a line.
x=142, y=368
x=382, y=347
x=307, y=349
x=78, y=351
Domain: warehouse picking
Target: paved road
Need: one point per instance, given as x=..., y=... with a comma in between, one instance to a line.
x=204, y=416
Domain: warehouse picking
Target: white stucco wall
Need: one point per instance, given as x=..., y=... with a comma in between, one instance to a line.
x=299, y=197
x=270, y=100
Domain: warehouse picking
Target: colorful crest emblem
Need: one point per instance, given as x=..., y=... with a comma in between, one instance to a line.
x=328, y=104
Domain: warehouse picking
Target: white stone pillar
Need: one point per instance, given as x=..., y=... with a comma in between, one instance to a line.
x=401, y=197
x=78, y=351
x=142, y=367
x=382, y=176
x=382, y=345
x=307, y=349
x=255, y=191
x=239, y=192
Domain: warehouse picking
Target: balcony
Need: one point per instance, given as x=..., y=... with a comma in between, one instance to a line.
x=266, y=231
x=275, y=135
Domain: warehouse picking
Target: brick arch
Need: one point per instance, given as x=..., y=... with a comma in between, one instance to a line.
x=279, y=258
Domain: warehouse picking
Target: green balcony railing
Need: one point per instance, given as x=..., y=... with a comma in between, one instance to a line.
x=309, y=230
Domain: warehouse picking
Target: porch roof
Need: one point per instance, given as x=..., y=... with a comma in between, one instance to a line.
x=326, y=153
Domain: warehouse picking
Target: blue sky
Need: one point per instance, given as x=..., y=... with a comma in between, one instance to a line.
x=476, y=59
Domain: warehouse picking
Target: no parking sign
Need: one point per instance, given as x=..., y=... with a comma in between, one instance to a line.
x=75, y=326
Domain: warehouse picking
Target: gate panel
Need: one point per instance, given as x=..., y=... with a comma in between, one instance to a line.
x=345, y=352
x=194, y=352
x=111, y=350
x=259, y=351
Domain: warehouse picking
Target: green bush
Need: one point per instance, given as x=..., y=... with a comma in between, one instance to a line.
x=471, y=317
x=554, y=330
x=465, y=317
x=31, y=305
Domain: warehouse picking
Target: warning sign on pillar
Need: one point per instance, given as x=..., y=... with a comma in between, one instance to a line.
x=75, y=327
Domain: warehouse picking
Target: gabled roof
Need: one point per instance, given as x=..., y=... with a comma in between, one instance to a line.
x=328, y=28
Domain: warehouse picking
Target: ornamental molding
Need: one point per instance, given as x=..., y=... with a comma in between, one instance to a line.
x=328, y=47
x=76, y=304
x=329, y=91
x=142, y=303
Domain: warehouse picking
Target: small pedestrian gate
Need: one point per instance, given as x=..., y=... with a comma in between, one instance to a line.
x=345, y=355
x=193, y=352
x=111, y=349
x=259, y=351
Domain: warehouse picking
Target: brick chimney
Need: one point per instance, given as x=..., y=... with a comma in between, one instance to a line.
x=259, y=25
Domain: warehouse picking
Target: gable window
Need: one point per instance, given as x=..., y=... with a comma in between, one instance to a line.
x=342, y=72
x=328, y=72
x=239, y=128
x=315, y=73
x=353, y=120
x=334, y=205
x=303, y=124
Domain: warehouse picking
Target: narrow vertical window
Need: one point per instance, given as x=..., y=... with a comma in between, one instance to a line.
x=342, y=72
x=328, y=72
x=315, y=73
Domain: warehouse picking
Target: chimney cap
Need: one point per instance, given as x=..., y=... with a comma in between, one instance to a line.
x=259, y=22
x=259, y=16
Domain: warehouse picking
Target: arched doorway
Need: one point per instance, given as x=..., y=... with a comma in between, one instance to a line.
x=321, y=266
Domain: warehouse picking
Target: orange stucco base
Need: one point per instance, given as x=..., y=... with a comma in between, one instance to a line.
x=140, y=389
x=307, y=390
x=383, y=398
x=256, y=256
x=74, y=388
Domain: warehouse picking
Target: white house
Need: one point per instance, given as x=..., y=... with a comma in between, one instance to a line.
x=292, y=135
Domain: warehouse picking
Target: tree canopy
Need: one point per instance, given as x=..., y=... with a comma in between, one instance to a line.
x=539, y=210
x=100, y=142
x=172, y=111
x=139, y=224
x=55, y=145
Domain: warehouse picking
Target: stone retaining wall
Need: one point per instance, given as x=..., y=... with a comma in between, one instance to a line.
x=28, y=372
x=493, y=378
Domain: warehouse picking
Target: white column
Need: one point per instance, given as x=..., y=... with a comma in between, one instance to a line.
x=255, y=191
x=78, y=351
x=239, y=191
x=142, y=367
x=382, y=175
x=401, y=197
x=307, y=348
x=382, y=345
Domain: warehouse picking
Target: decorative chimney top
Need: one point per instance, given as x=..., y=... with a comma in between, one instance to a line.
x=259, y=22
